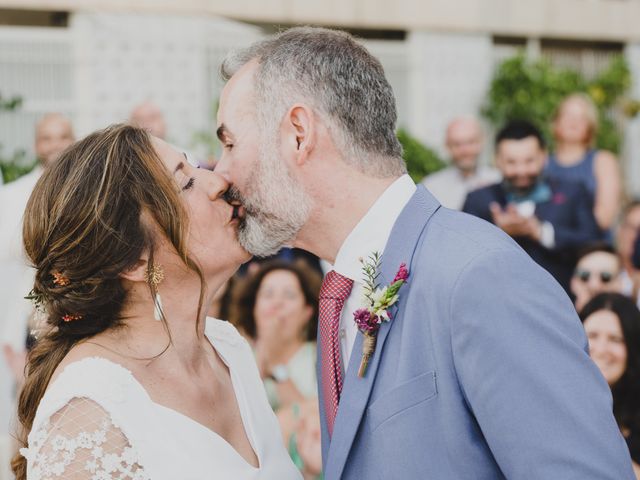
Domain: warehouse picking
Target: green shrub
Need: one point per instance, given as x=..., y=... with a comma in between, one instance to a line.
x=532, y=90
x=16, y=164
x=421, y=160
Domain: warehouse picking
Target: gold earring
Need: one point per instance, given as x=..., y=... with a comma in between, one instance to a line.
x=154, y=275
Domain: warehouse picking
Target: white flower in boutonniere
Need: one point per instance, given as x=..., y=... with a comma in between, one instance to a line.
x=377, y=302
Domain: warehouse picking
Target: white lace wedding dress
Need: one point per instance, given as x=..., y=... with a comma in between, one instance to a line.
x=97, y=422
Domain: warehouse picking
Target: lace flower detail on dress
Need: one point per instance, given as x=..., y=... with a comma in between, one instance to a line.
x=81, y=442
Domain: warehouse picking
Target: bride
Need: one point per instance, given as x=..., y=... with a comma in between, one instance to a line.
x=130, y=380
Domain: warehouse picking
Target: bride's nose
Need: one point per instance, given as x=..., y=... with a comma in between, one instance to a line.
x=218, y=186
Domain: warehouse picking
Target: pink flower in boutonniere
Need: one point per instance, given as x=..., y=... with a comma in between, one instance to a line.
x=403, y=273
x=377, y=303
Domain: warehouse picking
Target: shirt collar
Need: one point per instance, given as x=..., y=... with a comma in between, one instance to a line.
x=373, y=230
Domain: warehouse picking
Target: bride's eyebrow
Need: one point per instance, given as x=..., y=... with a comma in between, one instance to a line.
x=179, y=167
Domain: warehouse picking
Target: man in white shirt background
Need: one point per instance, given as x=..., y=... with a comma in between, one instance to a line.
x=53, y=134
x=464, y=141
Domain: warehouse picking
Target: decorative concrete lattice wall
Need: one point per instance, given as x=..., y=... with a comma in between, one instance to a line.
x=123, y=60
x=448, y=76
x=36, y=64
x=102, y=65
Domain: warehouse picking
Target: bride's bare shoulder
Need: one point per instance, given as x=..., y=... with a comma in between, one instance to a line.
x=92, y=348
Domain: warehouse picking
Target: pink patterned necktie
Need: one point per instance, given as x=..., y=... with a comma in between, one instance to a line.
x=334, y=292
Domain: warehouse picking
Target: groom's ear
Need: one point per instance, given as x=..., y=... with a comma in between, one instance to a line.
x=300, y=132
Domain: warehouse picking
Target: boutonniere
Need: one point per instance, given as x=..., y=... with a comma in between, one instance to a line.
x=377, y=301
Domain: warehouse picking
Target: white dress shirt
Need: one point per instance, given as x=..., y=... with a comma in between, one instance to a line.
x=16, y=280
x=369, y=235
x=17, y=276
x=450, y=187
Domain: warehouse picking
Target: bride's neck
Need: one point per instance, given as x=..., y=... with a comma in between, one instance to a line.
x=146, y=337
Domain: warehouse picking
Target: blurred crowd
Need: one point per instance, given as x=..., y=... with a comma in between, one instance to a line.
x=563, y=203
x=560, y=199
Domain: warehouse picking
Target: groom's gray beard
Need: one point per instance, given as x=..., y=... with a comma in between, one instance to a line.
x=273, y=216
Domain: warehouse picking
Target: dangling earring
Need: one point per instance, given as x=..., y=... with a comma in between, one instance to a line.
x=157, y=308
x=154, y=276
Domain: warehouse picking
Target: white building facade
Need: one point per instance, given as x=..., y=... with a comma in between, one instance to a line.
x=111, y=55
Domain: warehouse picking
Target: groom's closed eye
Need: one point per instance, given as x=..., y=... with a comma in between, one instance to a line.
x=223, y=135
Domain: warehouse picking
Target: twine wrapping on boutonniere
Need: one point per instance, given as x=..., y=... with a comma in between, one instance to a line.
x=377, y=302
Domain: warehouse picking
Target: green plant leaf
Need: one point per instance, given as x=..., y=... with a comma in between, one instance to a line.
x=421, y=160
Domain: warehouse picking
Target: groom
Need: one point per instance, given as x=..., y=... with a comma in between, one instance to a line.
x=482, y=371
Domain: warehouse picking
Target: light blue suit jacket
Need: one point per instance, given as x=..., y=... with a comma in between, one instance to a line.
x=482, y=374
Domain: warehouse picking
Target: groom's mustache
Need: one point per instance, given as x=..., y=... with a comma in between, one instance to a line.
x=243, y=208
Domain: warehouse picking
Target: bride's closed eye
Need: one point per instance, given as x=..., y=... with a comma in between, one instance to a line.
x=189, y=184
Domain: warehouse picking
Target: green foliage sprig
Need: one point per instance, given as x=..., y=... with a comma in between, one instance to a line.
x=370, y=270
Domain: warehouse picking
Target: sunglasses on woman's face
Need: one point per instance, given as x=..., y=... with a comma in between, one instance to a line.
x=584, y=275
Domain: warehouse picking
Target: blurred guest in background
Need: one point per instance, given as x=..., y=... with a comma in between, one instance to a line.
x=550, y=218
x=627, y=233
x=301, y=431
x=598, y=271
x=464, y=141
x=288, y=255
x=149, y=117
x=53, y=134
x=612, y=323
x=574, y=130
x=276, y=308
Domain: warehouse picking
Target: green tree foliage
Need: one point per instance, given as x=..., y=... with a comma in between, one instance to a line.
x=13, y=166
x=532, y=90
x=421, y=161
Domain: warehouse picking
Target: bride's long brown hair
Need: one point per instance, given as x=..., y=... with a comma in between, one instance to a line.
x=83, y=227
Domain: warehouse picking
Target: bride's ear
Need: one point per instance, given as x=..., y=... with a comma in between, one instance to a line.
x=138, y=272
x=300, y=132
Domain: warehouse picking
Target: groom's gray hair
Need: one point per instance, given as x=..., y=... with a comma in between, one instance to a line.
x=341, y=80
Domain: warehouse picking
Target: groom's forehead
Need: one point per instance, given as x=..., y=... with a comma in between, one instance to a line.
x=238, y=95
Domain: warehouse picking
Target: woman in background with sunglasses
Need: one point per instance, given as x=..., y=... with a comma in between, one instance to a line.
x=612, y=323
x=597, y=271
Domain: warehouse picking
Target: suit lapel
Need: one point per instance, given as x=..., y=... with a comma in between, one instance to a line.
x=355, y=394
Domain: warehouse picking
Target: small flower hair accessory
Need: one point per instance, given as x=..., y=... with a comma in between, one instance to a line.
x=59, y=279
x=71, y=318
x=377, y=302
